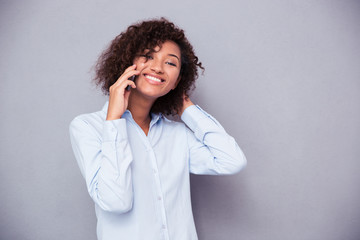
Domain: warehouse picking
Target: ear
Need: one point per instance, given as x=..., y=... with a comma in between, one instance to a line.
x=177, y=82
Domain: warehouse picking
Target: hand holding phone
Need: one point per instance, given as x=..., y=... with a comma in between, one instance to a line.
x=132, y=78
x=118, y=96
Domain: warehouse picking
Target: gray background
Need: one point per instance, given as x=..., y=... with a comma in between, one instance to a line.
x=283, y=77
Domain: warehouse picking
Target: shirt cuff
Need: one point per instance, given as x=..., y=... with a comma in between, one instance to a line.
x=200, y=122
x=114, y=130
x=192, y=115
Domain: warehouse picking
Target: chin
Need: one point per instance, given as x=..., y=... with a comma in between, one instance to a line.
x=152, y=94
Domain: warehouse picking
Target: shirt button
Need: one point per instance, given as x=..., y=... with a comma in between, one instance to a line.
x=113, y=129
x=159, y=198
x=154, y=171
x=163, y=226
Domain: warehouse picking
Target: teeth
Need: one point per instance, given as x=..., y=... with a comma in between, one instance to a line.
x=153, y=78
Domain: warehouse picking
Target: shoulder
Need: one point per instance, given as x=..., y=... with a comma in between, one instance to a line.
x=94, y=120
x=89, y=118
x=174, y=128
x=172, y=122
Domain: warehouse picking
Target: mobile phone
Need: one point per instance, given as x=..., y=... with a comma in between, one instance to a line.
x=132, y=78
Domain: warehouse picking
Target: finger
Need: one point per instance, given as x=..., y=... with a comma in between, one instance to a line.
x=126, y=83
x=132, y=84
x=132, y=67
x=128, y=88
x=126, y=76
x=119, y=88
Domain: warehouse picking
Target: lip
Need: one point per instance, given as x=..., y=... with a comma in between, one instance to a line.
x=153, y=81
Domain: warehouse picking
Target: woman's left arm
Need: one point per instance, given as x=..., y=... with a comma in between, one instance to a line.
x=211, y=150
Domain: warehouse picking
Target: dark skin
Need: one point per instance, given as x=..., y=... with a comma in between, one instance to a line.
x=157, y=74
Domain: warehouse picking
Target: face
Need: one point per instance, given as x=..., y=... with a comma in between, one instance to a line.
x=159, y=70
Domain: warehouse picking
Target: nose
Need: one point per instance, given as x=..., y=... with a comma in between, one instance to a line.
x=156, y=66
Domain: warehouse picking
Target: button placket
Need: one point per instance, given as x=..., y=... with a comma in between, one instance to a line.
x=159, y=192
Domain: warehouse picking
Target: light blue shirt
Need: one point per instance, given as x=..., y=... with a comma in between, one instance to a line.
x=140, y=184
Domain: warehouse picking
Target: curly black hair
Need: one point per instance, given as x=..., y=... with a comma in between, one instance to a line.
x=132, y=42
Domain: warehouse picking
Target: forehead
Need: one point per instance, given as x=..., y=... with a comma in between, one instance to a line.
x=168, y=47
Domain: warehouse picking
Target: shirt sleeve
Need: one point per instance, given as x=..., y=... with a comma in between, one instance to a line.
x=105, y=163
x=211, y=150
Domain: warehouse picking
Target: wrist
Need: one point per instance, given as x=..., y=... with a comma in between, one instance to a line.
x=185, y=106
x=110, y=117
x=114, y=112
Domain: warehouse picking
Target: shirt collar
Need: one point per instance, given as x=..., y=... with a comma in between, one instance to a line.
x=155, y=117
x=105, y=107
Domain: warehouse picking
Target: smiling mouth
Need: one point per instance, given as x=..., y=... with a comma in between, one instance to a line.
x=159, y=80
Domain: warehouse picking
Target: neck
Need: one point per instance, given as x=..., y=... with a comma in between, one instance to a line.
x=140, y=110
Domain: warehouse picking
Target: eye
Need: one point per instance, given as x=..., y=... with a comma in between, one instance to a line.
x=146, y=56
x=172, y=64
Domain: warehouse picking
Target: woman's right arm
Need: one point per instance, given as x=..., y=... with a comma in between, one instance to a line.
x=105, y=163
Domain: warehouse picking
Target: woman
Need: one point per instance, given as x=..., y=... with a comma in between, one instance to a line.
x=135, y=161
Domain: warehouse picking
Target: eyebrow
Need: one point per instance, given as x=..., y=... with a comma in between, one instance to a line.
x=173, y=55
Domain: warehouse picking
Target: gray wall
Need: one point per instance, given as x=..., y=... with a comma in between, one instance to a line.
x=283, y=77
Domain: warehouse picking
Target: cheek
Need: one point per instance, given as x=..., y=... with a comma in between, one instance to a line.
x=176, y=77
x=140, y=64
x=175, y=82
